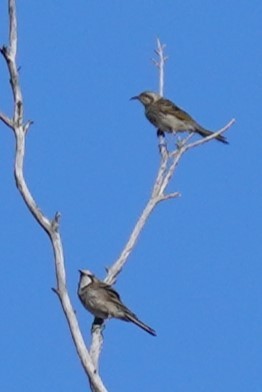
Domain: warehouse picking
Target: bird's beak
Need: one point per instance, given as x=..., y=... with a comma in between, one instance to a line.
x=136, y=97
x=80, y=271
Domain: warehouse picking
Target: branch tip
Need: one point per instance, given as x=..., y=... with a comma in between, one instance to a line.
x=155, y=62
x=211, y=137
x=27, y=125
x=56, y=291
x=58, y=216
x=173, y=195
x=55, y=222
x=6, y=120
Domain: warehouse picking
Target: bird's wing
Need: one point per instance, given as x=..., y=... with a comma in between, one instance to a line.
x=168, y=107
x=114, y=296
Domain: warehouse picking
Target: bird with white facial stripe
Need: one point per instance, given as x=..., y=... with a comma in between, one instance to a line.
x=168, y=117
x=104, y=302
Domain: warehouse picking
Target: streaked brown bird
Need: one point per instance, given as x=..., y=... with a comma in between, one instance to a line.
x=167, y=117
x=104, y=302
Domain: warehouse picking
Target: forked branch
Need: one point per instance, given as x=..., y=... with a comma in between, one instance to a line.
x=168, y=164
x=51, y=227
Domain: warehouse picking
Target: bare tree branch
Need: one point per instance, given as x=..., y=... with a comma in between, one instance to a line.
x=170, y=196
x=160, y=63
x=6, y=120
x=213, y=136
x=168, y=165
x=51, y=227
x=155, y=198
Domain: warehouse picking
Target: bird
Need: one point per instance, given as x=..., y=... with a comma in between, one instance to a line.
x=104, y=302
x=168, y=117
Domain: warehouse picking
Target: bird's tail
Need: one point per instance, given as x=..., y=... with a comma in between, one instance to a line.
x=132, y=317
x=204, y=133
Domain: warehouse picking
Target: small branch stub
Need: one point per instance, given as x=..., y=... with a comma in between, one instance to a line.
x=56, y=221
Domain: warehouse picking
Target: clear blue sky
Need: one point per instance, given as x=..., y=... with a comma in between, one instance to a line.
x=195, y=275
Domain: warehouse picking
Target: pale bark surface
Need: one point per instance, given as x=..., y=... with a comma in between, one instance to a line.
x=168, y=163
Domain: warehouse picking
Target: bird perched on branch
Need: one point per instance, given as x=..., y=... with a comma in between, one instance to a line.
x=167, y=117
x=104, y=302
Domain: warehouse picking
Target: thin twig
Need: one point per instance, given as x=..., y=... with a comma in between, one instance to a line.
x=161, y=67
x=6, y=120
x=171, y=196
x=211, y=137
x=161, y=64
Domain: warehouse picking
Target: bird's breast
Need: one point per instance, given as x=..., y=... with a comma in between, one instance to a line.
x=166, y=122
x=94, y=303
x=172, y=123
